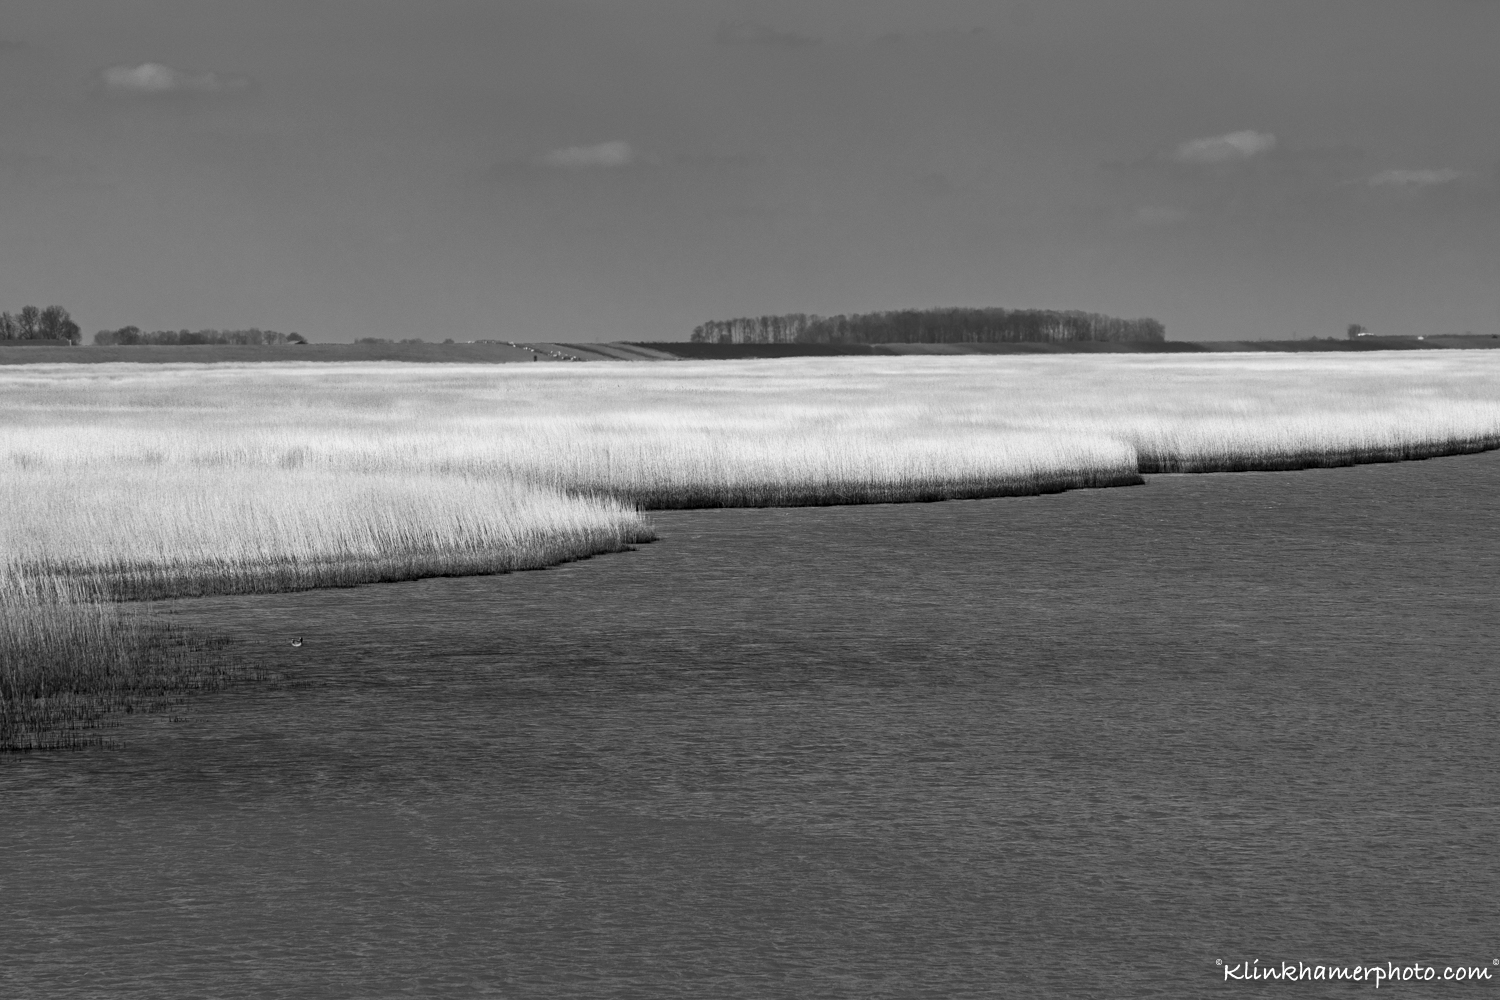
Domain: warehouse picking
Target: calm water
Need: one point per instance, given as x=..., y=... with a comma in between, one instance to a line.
x=1081, y=745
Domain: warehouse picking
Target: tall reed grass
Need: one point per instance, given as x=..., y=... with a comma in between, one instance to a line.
x=811, y=430
x=68, y=658
x=150, y=531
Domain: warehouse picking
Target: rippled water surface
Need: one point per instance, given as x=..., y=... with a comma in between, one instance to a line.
x=1080, y=745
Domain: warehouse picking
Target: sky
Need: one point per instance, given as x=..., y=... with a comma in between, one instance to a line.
x=590, y=171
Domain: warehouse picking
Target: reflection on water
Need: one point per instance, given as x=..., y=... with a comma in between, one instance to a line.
x=1074, y=745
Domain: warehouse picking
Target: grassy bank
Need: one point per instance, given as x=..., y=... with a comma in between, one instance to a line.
x=143, y=481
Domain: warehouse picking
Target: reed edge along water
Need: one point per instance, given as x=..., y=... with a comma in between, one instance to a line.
x=70, y=659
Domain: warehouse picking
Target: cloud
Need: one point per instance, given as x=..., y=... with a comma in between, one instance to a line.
x=615, y=153
x=1225, y=148
x=155, y=80
x=1413, y=178
x=755, y=33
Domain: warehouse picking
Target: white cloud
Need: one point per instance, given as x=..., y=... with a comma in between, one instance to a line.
x=1225, y=148
x=151, y=79
x=616, y=153
x=1413, y=178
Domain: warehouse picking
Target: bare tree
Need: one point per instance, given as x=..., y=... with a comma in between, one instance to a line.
x=29, y=317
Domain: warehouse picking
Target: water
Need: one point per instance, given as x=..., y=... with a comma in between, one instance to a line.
x=1081, y=745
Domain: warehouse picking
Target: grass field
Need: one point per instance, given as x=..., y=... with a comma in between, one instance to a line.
x=92, y=354
x=141, y=481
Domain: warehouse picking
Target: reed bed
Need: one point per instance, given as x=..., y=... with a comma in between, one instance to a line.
x=160, y=530
x=813, y=430
x=68, y=659
x=80, y=539
x=124, y=481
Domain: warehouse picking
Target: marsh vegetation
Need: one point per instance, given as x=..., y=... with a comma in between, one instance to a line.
x=125, y=482
x=67, y=659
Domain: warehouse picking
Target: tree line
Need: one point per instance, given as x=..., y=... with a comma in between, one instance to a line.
x=254, y=335
x=31, y=323
x=930, y=326
x=384, y=340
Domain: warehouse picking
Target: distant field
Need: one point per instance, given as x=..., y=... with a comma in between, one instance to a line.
x=32, y=354
x=220, y=353
x=682, y=350
x=740, y=352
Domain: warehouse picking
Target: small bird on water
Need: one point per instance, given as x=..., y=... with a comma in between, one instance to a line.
x=297, y=641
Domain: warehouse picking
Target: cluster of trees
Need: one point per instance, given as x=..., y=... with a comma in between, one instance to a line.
x=383, y=340
x=134, y=335
x=786, y=329
x=930, y=326
x=31, y=323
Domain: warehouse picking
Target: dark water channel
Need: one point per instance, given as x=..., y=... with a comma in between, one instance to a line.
x=1082, y=745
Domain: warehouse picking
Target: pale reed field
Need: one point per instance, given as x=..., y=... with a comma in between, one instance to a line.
x=125, y=481
x=815, y=430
